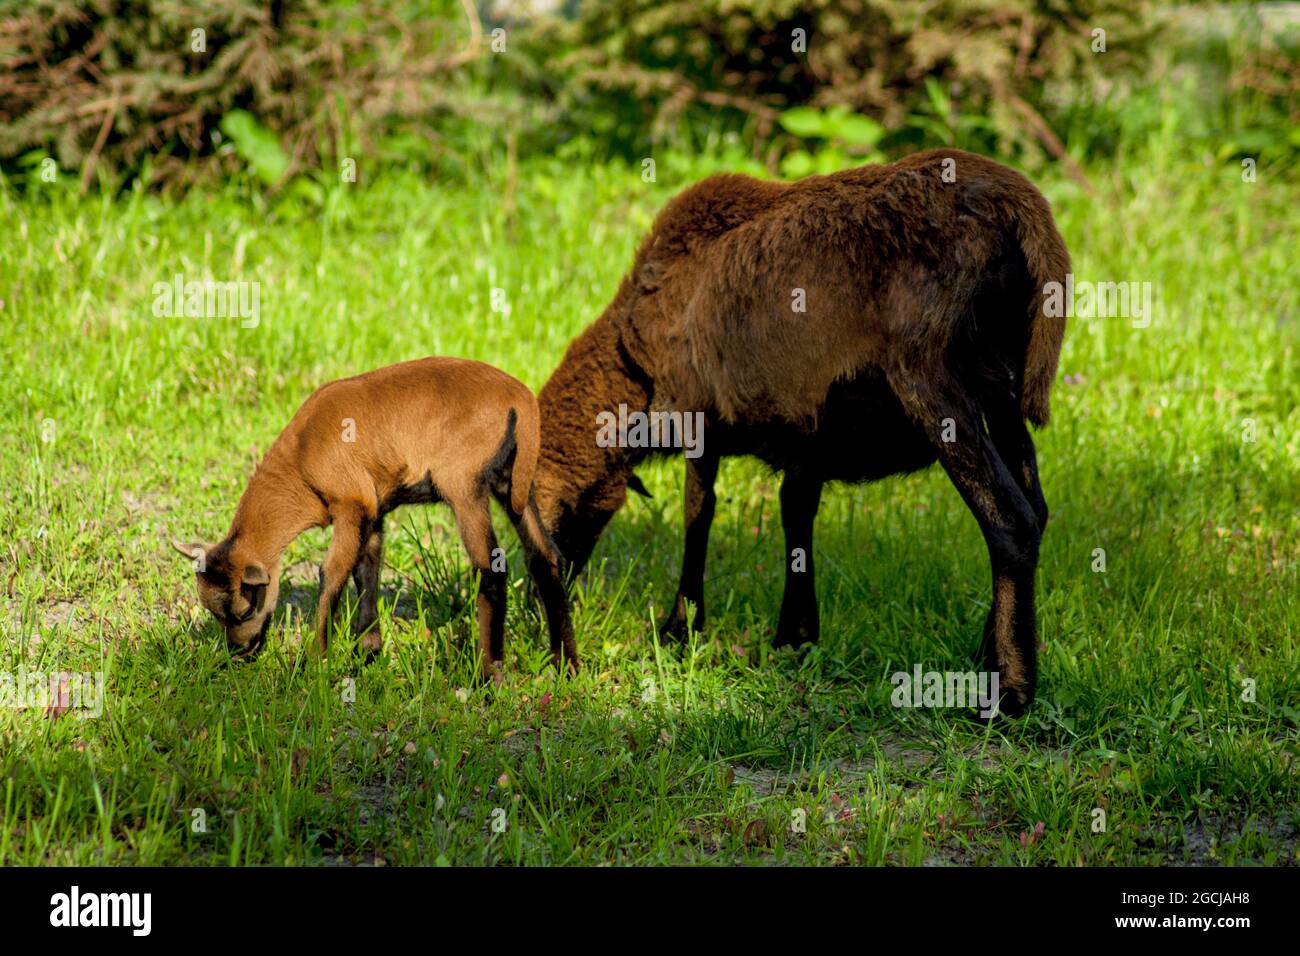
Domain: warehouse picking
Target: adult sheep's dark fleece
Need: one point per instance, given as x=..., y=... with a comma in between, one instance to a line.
x=840, y=328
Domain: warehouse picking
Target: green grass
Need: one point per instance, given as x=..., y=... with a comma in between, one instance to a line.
x=653, y=754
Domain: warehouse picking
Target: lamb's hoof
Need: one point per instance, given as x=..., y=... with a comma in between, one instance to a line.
x=565, y=663
x=301, y=660
x=488, y=672
x=371, y=645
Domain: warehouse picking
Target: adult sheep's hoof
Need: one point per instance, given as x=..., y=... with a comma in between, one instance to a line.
x=796, y=635
x=676, y=627
x=1013, y=704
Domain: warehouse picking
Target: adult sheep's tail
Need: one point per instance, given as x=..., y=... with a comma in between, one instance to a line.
x=1048, y=261
x=528, y=443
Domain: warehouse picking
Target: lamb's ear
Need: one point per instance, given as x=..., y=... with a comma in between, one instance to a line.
x=194, y=551
x=634, y=484
x=255, y=576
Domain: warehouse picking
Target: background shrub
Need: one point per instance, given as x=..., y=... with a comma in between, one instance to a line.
x=288, y=89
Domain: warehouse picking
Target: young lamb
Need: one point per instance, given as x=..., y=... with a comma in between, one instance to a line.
x=436, y=429
x=840, y=328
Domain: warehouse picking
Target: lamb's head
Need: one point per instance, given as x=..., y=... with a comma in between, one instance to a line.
x=237, y=590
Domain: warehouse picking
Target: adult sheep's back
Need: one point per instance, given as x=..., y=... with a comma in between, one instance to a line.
x=750, y=298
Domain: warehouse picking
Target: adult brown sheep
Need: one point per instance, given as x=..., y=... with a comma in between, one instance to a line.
x=923, y=336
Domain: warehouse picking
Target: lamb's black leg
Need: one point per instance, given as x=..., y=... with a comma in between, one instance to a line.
x=474, y=522
x=366, y=577
x=700, y=501
x=799, y=622
x=546, y=567
x=344, y=550
x=1006, y=517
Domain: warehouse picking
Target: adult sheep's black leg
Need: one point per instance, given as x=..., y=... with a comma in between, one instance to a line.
x=1006, y=517
x=1015, y=446
x=799, y=622
x=700, y=502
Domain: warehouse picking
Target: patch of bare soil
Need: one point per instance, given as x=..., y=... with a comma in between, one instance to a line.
x=1209, y=841
x=898, y=754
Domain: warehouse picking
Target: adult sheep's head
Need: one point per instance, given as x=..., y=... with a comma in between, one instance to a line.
x=582, y=479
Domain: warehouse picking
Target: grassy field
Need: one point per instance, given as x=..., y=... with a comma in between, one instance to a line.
x=1170, y=682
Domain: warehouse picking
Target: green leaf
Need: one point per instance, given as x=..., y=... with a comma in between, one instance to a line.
x=1176, y=707
x=1256, y=140
x=796, y=165
x=803, y=121
x=832, y=161
x=938, y=101
x=256, y=145
x=308, y=190
x=858, y=130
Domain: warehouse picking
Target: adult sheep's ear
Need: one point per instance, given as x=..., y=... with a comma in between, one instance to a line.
x=634, y=484
x=196, y=551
